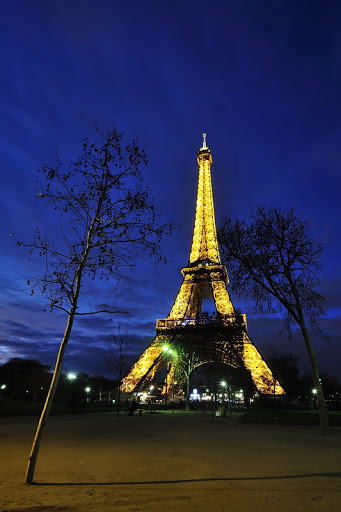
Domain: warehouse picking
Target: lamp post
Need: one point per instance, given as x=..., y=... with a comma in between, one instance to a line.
x=223, y=385
x=3, y=387
x=87, y=391
x=314, y=393
x=152, y=406
x=71, y=376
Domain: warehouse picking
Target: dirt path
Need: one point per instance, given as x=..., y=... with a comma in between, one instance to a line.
x=169, y=462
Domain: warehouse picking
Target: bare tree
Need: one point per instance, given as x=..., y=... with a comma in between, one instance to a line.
x=285, y=369
x=184, y=363
x=116, y=361
x=107, y=219
x=274, y=259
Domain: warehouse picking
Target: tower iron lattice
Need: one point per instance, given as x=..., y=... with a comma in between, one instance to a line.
x=204, y=277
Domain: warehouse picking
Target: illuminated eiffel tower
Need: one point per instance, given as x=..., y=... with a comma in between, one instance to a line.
x=204, y=277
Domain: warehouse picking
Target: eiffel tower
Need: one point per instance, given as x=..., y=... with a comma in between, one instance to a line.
x=204, y=277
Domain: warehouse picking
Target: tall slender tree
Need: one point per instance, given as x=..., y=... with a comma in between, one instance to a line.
x=273, y=258
x=116, y=361
x=107, y=218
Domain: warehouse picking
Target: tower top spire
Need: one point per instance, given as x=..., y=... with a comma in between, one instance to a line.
x=205, y=244
x=204, y=146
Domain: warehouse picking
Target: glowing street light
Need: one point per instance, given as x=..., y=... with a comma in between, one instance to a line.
x=223, y=385
x=87, y=390
x=314, y=393
x=3, y=386
x=168, y=350
x=71, y=376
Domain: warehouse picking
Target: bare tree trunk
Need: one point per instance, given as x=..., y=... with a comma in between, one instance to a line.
x=321, y=404
x=118, y=399
x=187, y=391
x=48, y=402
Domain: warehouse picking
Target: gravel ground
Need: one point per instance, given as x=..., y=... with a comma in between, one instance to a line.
x=169, y=462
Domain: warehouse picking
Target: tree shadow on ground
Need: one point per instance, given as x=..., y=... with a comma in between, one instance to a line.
x=42, y=508
x=194, y=480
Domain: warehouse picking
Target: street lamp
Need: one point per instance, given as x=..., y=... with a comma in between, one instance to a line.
x=87, y=390
x=314, y=394
x=223, y=385
x=71, y=377
x=151, y=401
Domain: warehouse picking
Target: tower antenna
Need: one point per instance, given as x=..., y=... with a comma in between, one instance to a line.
x=204, y=146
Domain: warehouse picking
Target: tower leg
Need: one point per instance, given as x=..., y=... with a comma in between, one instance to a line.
x=260, y=372
x=147, y=364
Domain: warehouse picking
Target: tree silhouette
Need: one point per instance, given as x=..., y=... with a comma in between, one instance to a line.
x=274, y=259
x=107, y=219
x=26, y=379
x=285, y=369
x=116, y=361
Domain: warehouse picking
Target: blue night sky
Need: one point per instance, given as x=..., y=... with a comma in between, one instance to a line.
x=262, y=78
